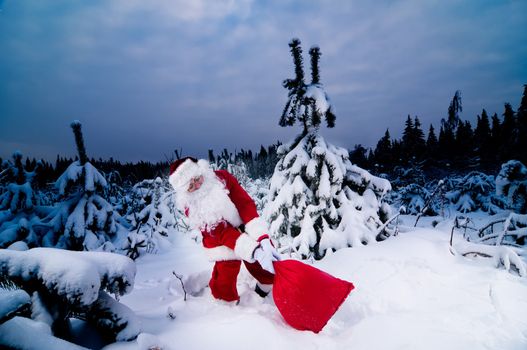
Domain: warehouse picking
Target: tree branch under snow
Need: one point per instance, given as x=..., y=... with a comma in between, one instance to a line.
x=63, y=282
x=12, y=303
x=502, y=256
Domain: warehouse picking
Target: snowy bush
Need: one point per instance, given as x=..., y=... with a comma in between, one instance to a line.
x=474, y=191
x=13, y=303
x=318, y=200
x=83, y=220
x=259, y=190
x=511, y=182
x=17, y=204
x=413, y=199
x=405, y=176
x=114, y=191
x=236, y=168
x=63, y=283
x=511, y=230
x=153, y=216
x=19, y=195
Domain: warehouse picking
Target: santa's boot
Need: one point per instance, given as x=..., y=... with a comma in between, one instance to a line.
x=263, y=289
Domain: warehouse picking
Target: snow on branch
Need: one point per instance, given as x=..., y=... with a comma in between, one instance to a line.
x=513, y=233
x=84, y=175
x=77, y=277
x=70, y=283
x=12, y=303
x=502, y=256
x=14, y=335
x=506, y=256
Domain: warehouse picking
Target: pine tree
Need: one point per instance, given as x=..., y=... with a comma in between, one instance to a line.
x=449, y=127
x=418, y=139
x=508, y=133
x=521, y=114
x=464, y=141
x=407, y=142
x=83, y=220
x=307, y=103
x=482, y=139
x=453, y=112
x=431, y=143
x=317, y=199
x=152, y=217
x=495, y=135
x=383, y=151
x=17, y=204
x=397, y=151
x=359, y=156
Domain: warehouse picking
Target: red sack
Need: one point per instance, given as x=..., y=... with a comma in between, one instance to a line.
x=306, y=296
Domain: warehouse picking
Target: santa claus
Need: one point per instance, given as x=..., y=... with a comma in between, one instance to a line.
x=232, y=231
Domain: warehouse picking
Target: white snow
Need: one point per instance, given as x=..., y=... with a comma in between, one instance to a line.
x=77, y=276
x=317, y=93
x=11, y=301
x=30, y=335
x=75, y=171
x=411, y=293
x=315, y=171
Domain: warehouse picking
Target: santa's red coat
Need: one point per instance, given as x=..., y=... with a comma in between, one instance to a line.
x=226, y=242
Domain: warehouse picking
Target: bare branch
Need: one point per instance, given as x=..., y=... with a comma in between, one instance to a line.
x=180, y=278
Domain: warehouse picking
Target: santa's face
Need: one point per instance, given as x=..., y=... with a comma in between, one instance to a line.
x=206, y=200
x=195, y=183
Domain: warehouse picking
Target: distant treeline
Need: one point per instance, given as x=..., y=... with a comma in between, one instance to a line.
x=259, y=164
x=458, y=147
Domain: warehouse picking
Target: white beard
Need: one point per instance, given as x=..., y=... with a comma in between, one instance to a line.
x=209, y=205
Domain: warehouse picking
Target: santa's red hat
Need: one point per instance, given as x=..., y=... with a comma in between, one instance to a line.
x=185, y=169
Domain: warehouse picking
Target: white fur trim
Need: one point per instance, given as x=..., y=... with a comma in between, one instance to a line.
x=221, y=253
x=245, y=247
x=184, y=173
x=256, y=228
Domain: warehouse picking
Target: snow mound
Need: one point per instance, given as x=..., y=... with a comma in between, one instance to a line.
x=76, y=276
x=15, y=333
x=12, y=301
x=411, y=293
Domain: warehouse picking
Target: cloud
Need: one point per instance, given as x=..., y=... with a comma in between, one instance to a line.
x=142, y=69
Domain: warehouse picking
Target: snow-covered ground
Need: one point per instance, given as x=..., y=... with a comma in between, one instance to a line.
x=411, y=293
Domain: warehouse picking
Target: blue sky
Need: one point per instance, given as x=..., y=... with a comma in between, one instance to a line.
x=148, y=77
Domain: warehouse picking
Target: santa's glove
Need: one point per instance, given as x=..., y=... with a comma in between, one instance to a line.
x=268, y=246
x=265, y=257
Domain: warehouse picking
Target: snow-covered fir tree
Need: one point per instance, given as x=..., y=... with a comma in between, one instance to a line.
x=412, y=199
x=256, y=185
x=83, y=220
x=318, y=200
x=17, y=204
x=511, y=182
x=474, y=191
x=153, y=215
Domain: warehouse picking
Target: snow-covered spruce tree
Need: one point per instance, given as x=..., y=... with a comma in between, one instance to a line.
x=412, y=199
x=256, y=187
x=154, y=215
x=474, y=191
x=511, y=182
x=237, y=167
x=17, y=204
x=64, y=284
x=318, y=200
x=83, y=220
